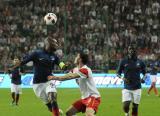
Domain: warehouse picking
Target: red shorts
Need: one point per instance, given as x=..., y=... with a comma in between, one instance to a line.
x=89, y=102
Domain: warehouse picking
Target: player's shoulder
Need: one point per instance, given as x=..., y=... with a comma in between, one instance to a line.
x=87, y=68
x=38, y=51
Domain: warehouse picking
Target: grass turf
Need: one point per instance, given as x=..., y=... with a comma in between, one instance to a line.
x=111, y=104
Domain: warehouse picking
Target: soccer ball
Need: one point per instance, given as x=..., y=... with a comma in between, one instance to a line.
x=50, y=19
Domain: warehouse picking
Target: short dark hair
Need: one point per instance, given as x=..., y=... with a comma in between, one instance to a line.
x=84, y=57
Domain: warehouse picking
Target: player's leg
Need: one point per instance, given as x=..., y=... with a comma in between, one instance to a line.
x=13, y=92
x=153, y=80
x=40, y=92
x=155, y=89
x=134, y=109
x=126, y=99
x=154, y=85
x=17, y=98
x=18, y=92
x=126, y=105
x=76, y=107
x=13, y=97
x=71, y=111
x=90, y=112
x=52, y=97
x=150, y=88
x=136, y=101
x=92, y=104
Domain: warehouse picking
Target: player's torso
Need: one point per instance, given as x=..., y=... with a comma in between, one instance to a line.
x=16, y=76
x=153, y=66
x=43, y=66
x=87, y=85
x=132, y=70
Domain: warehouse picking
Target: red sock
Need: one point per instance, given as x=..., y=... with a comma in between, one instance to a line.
x=134, y=114
x=55, y=112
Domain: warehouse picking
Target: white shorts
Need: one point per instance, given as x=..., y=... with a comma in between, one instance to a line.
x=131, y=95
x=42, y=89
x=16, y=88
x=153, y=78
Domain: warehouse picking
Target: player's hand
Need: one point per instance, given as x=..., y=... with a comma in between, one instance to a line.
x=126, y=80
x=50, y=77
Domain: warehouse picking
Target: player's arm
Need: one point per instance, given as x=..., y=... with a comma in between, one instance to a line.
x=27, y=59
x=143, y=70
x=67, y=76
x=83, y=73
x=120, y=69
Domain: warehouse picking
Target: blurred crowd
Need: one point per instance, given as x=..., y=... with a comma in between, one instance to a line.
x=102, y=28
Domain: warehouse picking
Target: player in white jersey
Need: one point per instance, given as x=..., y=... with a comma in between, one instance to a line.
x=90, y=97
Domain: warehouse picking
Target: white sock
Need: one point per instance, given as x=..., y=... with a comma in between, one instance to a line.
x=126, y=114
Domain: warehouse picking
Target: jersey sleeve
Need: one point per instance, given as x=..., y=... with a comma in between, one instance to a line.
x=83, y=73
x=28, y=58
x=120, y=68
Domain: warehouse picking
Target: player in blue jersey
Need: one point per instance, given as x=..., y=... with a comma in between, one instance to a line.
x=43, y=64
x=132, y=67
x=153, y=66
x=15, y=76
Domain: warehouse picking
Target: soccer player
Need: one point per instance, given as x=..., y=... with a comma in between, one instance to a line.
x=15, y=76
x=43, y=64
x=90, y=97
x=132, y=67
x=153, y=69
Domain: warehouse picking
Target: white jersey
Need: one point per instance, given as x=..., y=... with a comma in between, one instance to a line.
x=86, y=82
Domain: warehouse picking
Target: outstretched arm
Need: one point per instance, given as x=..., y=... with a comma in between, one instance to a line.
x=67, y=76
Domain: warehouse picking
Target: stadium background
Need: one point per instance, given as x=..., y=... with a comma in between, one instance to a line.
x=103, y=28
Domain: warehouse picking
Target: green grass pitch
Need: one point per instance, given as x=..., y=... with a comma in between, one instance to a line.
x=111, y=104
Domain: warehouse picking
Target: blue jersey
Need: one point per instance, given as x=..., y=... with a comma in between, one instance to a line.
x=43, y=64
x=132, y=70
x=153, y=67
x=16, y=75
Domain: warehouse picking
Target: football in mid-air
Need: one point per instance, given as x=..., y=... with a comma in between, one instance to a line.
x=50, y=19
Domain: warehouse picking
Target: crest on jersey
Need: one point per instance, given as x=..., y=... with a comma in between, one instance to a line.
x=138, y=64
x=52, y=58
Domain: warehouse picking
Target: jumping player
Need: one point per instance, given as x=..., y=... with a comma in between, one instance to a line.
x=90, y=97
x=132, y=67
x=15, y=76
x=43, y=64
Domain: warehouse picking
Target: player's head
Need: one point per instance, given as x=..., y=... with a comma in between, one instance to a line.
x=82, y=58
x=50, y=44
x=16, y=60
x=132, y=52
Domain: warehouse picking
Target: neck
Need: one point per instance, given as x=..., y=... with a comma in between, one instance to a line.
x=80, y=65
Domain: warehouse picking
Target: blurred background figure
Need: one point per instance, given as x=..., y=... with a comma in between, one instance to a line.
x=15, y=76
x=153, y=67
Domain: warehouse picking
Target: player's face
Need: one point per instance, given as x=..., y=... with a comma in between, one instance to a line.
x=131, y=51
x=15, y=61
x=51, y=44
